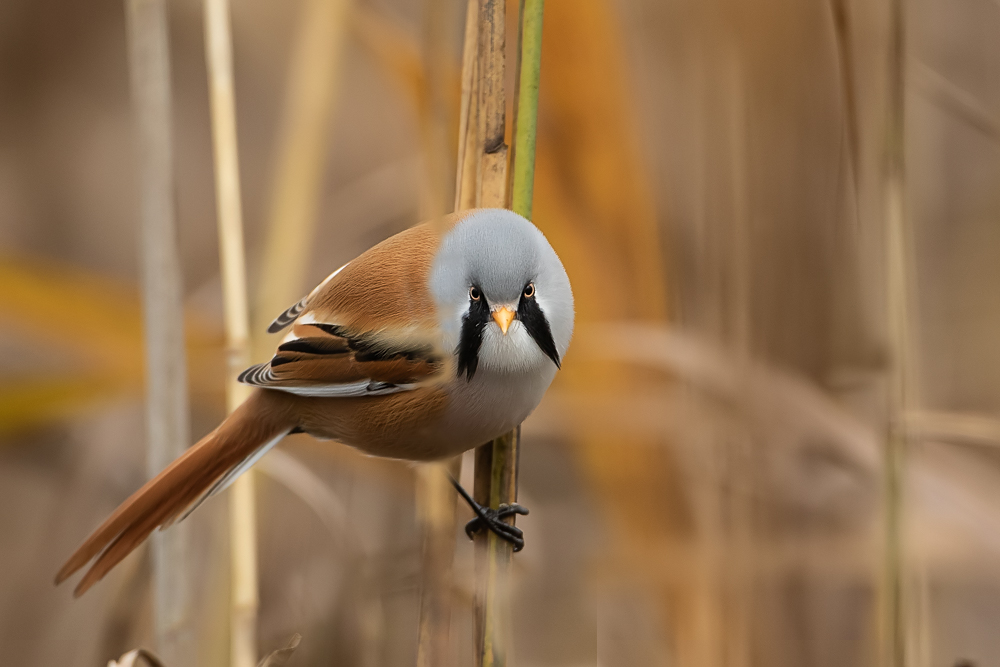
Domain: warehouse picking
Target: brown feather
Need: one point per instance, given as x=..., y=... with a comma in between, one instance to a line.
x=261, y=417
x=317, y=370
x=392, y=426
x=380, y=298
x=386, y=286
x=382, y=304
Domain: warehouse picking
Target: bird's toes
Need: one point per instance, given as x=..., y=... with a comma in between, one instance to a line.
x=498, y=527
x=510, y=510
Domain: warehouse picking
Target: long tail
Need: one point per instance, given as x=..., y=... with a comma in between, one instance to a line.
x=206, y=468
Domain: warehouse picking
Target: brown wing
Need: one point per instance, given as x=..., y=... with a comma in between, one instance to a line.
x=368, y=329
x=324, y=359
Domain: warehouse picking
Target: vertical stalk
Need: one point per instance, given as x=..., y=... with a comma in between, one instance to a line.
x=303, y=143
x=497, y=463
x=529, y=70
x=845, y=56
x=243, y=539
x=492, y=558
x=493, y=591
x=466, y=186
x=162, y=290
x=491, y=178
x=894, y=644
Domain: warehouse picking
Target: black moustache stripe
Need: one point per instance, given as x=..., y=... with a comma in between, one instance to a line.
x=537, y=326
x=471, y=336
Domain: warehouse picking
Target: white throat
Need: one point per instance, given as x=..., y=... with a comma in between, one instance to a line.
x=513, y=353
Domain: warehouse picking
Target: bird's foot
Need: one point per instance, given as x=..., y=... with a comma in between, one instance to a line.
x=492, y=519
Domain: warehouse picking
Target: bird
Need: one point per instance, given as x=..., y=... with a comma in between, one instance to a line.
x=432, y=342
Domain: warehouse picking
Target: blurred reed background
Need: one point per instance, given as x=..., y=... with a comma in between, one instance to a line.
x=781, y=223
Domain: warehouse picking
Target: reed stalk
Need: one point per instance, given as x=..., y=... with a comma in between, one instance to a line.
x=840, y=9
x=894, y=633
x=162, y=296
x=466, y=187
x=242, y=524
x=497, y=463
x=492, y=557
x=529, y=71
x=491, y=176
x=303, y=143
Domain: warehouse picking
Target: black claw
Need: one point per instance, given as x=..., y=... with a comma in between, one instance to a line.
x=505, y=532
x=492, y=519
x=476, y=524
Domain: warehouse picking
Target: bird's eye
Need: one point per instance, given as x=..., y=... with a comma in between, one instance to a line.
x=474, y=293
x=529, y=291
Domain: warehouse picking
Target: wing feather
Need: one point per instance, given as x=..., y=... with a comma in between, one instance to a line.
x=368, y=329
x=287, y=317
x=323, y=359
x=293, y=312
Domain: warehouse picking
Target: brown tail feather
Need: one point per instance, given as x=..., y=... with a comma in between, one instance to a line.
x=261, y=417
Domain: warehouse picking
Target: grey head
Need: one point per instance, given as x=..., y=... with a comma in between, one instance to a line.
x=504, y=300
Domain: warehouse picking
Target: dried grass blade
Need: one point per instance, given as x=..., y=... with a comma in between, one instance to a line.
x=243, y=538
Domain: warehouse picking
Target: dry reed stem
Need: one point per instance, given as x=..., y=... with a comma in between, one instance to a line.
x=491, y=178
x=493, y=568
x=898, y=640
x=845, y=57
x=492, y=555
x=497, y=464
x=243, y=539
x=163, y=313
x=466, y=186
x=521, y=188
x=314, y=76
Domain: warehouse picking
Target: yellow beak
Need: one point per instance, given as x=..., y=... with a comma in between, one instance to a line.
x=503, y=317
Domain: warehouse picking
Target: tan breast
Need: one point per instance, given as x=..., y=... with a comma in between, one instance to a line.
x=404, y=425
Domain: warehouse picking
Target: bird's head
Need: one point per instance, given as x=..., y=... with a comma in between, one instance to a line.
x=503, y=296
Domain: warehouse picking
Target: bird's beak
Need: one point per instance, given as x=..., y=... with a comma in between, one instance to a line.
x=503, y=317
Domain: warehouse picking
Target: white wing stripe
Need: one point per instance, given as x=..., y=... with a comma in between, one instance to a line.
x=362, y=388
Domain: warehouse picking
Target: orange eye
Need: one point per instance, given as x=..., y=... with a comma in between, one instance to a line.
x=474, y=293
x=529, y=291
